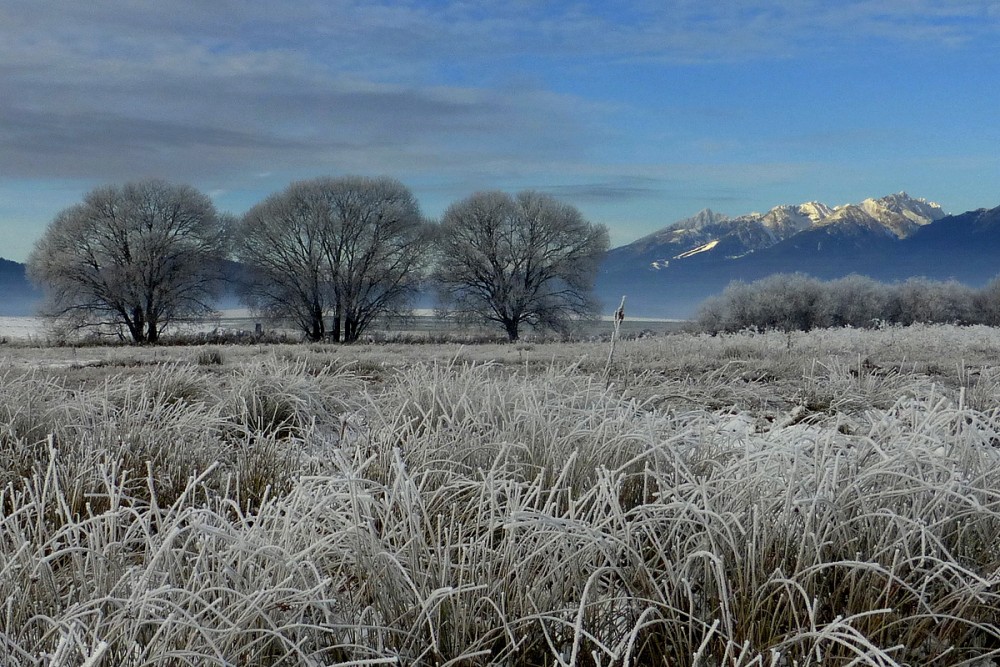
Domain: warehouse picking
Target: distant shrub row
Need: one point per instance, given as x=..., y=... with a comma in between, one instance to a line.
x=796, y=301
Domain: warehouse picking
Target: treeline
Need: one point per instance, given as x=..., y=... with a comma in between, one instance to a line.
x=329, y=255
x=797, y=302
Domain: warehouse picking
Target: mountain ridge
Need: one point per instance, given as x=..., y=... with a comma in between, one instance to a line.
x=898, y=214
x=886, y=238
x=18, y=296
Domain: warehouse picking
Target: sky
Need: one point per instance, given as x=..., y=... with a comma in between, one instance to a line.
x=638, y=113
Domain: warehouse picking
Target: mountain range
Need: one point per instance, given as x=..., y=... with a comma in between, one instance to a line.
x=671, y=272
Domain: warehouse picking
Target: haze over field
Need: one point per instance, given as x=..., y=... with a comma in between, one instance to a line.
x=639, y=115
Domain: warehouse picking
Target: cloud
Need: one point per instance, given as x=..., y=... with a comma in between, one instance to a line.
x=415, y=38
x=107, y=109
x=602, y=192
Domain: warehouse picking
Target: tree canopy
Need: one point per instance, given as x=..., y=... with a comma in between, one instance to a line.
x=516, y=260
x=133, y=258
x=343, y=250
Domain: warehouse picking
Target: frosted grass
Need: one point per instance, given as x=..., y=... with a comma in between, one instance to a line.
x=284, y=512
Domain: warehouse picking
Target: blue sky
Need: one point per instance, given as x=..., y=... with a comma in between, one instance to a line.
x=639, y=113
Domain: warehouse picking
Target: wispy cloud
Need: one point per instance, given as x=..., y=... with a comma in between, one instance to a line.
x=190, y=87
x=188, y=109
x=623, y=191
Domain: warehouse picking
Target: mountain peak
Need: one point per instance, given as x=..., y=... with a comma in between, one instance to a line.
x=671, y=279
x=692, y=228
x=902, y=214
x=699, y=220
x=710, y=234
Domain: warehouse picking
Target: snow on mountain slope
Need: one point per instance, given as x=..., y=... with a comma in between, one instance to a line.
x=786, y=220
x=815, y=210
x=709, y=233
x=704, y=248
x=693, y=231
x=856, y=218
x=901, y=213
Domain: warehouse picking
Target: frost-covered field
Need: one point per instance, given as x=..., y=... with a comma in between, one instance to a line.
x=830, y=498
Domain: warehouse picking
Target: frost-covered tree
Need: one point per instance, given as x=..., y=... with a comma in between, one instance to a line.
x=133, y=258
x=927, y=301
x=856, y=301
x=782, y=301
x=788, y=302
x=732, y=310
x=986, y=304
x=796, y=301
x=516, y=260
x=282, y=243
x=344, y=250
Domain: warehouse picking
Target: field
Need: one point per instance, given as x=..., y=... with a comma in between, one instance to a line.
x=830, y=498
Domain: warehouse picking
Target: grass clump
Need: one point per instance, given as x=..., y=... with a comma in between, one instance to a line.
x=285, y=398
x=211, y=356
x=477, y=419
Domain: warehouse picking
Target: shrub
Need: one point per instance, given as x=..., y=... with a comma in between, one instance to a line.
x=796, y=302
x=210, y=357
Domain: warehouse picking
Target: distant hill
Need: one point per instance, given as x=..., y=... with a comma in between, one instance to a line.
x=671, y=272
x=18, y=297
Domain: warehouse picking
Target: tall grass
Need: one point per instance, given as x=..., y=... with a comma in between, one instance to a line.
x=283, y=513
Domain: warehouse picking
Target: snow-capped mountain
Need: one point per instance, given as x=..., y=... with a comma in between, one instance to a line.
x=901, y=213
x=672, y=271
x=709, y=232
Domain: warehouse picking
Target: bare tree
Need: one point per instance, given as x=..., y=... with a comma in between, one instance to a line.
x=348, y=250
x=135, y=257
x=518, y=260
x=282, y=242
x=379, y=253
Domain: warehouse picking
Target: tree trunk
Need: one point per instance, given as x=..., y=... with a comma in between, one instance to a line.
x=137, y=325
x=512, y=330
x=317, y=331
x=337, y=317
